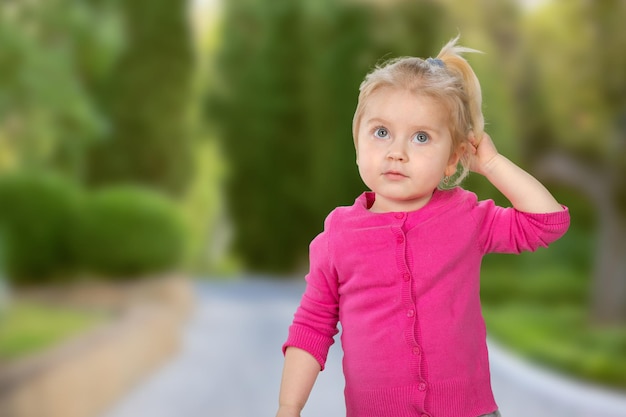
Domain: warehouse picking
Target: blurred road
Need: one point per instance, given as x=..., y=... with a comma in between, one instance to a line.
x=230, y=366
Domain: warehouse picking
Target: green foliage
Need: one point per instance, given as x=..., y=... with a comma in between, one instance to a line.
x=126, y=231
x=45, y=110
x=148, y=99
x=579, y=79
x=563, y=339
x=259, y=113
x=546, y=284
x=52, y=230
x=578, y=56
x=99, y=90
x=204, y=212
x=36, y=212
x=287, y=78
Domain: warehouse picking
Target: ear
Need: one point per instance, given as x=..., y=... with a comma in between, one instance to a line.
x=455, y=156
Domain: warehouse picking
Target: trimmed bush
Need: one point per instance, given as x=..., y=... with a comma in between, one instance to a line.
x=36, y=212
x=126, y=231
x=51, y=229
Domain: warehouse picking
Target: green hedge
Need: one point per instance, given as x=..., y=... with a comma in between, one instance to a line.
x=36, y=212
x=52, y=230
x=125, y=231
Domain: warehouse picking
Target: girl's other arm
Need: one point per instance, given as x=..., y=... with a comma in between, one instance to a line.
x=299, y=374
x=524, y=191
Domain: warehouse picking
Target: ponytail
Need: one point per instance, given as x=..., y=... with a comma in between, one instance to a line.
x=451, y=57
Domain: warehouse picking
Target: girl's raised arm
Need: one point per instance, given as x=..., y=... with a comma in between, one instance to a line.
x=523, y=190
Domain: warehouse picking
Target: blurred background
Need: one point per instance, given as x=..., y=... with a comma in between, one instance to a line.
x=211, y=138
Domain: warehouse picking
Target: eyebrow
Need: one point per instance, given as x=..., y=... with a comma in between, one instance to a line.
x=378, y=120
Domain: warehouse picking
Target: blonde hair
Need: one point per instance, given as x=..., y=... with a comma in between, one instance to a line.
x=448, y=78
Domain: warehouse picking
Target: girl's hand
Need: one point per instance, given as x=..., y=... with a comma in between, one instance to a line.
x=483, y=152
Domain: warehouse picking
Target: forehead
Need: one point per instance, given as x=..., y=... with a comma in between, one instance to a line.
x=395, y=103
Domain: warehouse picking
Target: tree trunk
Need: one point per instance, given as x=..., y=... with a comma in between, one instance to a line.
x=608, y=297
x=608, y=285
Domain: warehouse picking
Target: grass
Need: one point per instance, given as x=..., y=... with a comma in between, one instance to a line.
x=26, y=329
x=541, y=313
x=562, y=339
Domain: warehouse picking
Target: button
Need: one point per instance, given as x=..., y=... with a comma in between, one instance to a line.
x=416, y=350
x=399, y=215
x=406, y=276
x=422, y=386
x=410, y=313
x=400, y=239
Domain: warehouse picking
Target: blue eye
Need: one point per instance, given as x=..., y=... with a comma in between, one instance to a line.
x=381, y=133
x=421, y=137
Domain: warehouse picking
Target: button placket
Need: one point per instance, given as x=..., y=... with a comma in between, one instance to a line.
x=412, y=318
x=410, y=307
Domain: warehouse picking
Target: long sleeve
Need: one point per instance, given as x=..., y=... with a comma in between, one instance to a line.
x=507, y=230
x=315, y=321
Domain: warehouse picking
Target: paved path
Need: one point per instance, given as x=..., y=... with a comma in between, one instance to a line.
x=230, y=366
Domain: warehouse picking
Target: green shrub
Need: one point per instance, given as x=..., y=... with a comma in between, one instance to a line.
x=127, y=231
x=36, y=212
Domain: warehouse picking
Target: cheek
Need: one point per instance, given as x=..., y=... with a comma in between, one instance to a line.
x=363, y=164
x=366, y=164
x=362, y=155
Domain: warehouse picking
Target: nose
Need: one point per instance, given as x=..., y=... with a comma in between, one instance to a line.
x=397, y=152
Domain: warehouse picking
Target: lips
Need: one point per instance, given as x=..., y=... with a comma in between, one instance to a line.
x=394, y=175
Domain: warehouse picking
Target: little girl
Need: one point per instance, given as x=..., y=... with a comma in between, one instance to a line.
x=400, y=268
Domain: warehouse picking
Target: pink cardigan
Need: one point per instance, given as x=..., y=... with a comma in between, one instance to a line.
x=405, y=287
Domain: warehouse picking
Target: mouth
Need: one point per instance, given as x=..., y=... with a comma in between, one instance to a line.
x=394, y=175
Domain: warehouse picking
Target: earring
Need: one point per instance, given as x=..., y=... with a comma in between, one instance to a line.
x=446, y=179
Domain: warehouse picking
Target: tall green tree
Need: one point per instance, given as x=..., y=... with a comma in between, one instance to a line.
x=147, y=98
x=286, y=85
x=258, y=109
x=578, y=47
